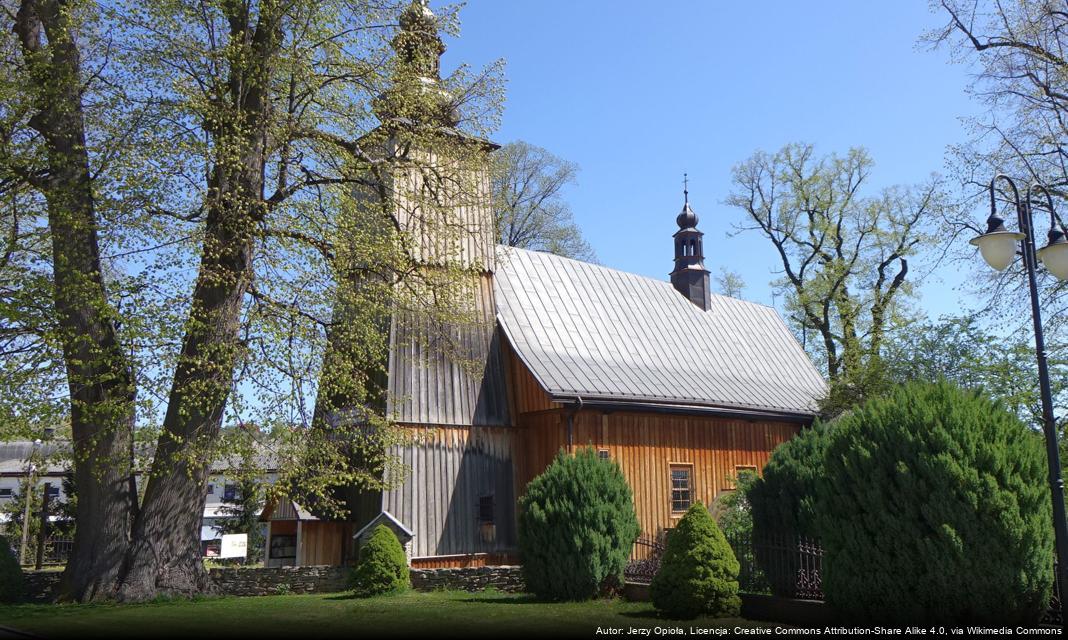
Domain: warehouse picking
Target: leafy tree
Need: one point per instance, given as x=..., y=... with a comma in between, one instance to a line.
x=729, y=283
x=934, y=507
x=1021, y=77
x=66, y=510
x=48, y=173
x=186, y=185
x=528, y=184
x=15, y=511
x=845, y=255
x=382, y=567
x=699, y=573
x=734, y=516
x=576, y=527
x=731, y=509
x=63, y=510
x=959, y=350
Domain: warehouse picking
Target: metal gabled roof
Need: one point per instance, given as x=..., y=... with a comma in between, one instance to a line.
x=593, y=332
x=385, y=517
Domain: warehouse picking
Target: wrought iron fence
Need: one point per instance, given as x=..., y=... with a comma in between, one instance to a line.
x=57, y=550
x=786, y=565
x=645, y=558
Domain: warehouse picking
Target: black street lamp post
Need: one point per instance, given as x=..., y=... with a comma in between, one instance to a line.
x=998, y=248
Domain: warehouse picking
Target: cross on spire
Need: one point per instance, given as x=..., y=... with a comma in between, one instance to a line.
x=685, y=188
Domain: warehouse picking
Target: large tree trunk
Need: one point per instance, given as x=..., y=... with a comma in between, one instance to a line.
x=164, y=556
x=99, y=374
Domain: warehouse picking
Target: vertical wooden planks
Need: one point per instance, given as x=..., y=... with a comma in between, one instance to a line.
x=645, y=445
x=451, y=467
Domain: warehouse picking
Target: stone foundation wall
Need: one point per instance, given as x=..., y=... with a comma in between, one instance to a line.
x=41, y=584
x=507, y=578
x=261, y=581
x=272, y=581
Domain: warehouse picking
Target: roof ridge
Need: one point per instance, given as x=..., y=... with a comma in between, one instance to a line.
x=595, y=265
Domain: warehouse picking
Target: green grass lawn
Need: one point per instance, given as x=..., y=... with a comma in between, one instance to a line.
x=438, y=614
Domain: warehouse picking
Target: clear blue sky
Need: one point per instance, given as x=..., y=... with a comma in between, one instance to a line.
x=637, y=93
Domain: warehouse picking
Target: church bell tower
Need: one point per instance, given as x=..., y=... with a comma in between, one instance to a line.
x=690, y=278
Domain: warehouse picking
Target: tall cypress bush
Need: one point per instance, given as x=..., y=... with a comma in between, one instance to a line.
x=576, y=527
x=934, y=508
x=699, y=572
x=783, y=505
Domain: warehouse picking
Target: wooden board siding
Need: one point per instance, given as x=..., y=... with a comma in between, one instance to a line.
x=323, y=542
x=284, y=527
x=427, y=385
x=527, y=394
x=542, y=434
x=450, y=468
x=646, y=445
x=466, y=235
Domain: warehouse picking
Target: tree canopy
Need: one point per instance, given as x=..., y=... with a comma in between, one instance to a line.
x=528, y=184
x=845, y=251
x=183, y=186
x=1021, y=80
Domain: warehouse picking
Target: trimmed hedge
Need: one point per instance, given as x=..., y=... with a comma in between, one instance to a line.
x=934, y=508
x=12, y=582
x=576, y=527
x=382, y=566
x=698, y=573
x=783, y=499
x=783, y=505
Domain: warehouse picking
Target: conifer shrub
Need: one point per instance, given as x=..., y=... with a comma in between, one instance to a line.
x=934, y=508
x=698, y=573
x=382, y=566
x=783, y=505
x=577, y=527
x=12, y=583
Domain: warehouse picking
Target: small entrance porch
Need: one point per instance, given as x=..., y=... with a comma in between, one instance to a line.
x=297, y=537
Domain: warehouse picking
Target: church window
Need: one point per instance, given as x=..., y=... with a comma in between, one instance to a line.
x=485, y=509
x=681, y=488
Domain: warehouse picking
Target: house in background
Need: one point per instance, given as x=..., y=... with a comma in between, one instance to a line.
x=222, y=490
x=52, y=465
x=683, y=388
x=16, y=457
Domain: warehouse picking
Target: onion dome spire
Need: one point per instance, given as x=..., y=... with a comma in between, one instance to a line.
x=416, y=94
x=687, y=219
x=418, y=45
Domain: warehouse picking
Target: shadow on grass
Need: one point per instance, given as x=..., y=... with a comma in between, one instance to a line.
x=352, y=595
x=505, y=599
x=645, y=614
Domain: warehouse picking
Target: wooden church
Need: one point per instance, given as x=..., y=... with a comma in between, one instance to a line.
x=684, y=388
